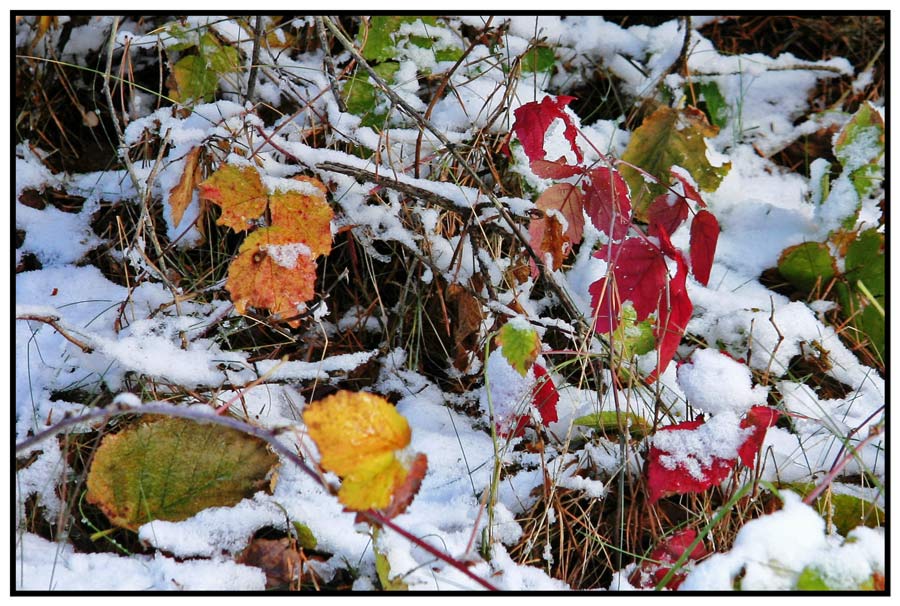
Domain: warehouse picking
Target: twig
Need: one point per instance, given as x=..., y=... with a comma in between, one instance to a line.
x=270, y=436
x=564, y=298
x=254, y=58
x=54, y=321
x=107, y=76
x=838, y=467
x=329, y=65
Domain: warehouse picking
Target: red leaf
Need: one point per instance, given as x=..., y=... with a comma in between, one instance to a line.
x=545, y=169
x=667, y=211
x=533, y=119
x=607, y=203
x=689, y=191
x=406, y=492
x=675, y=311
x=663, y=482
x=653, y=570
x=760, y=418
x=639, y=272
x=704, y=236
x=545, y=396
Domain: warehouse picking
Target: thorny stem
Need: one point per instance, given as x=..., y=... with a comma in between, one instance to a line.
x=564, y=298
x=270, y=436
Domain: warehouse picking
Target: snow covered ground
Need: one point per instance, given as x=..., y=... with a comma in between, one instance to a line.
x=762, y=208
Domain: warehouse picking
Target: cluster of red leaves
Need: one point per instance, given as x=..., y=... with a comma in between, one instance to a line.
x=544, y=396
x=662, y=482
x=638, y=271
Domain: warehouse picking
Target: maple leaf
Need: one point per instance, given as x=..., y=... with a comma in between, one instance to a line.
x=704, y=236
x=639, y=275
x=607, y=202
x=272, y=271
x=307, y=216
x=546, y=234
x=181, y=195
x=532, y=121
x=239, y=192
x=358, y=436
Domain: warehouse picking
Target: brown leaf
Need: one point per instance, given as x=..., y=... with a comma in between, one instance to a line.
x=272, y=271
x=279, y=559
x=180, y=195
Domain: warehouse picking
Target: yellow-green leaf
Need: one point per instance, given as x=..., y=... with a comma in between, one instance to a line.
x=170, y=469
x=611, y=422
x=521, y=345
x=669, y=137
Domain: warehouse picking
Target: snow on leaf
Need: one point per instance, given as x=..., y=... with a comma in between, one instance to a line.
x=180, y=196
x=607, y=202
x=533, y=119
x=859, y=147
x=639, y=274
x=306, y=216
x=171, y=469
x=272, y=271
x=358, y=436
x=521, y=345
x=704, y=236
x=239, y=192
x=668, y=138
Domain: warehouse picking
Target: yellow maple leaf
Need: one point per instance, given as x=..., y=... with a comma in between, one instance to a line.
x=358, y=436
x=240, y=194
x=306, y=214
x=272, y=271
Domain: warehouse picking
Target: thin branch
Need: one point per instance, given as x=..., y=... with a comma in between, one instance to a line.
x=329, y=65
x=254, y=58
x=54, y=321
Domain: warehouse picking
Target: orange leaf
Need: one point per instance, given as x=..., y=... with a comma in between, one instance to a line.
x=546, y=234
x=272, y=271
x=305, y=214
x=239, y=192
x=180, y=195
x=358, y=436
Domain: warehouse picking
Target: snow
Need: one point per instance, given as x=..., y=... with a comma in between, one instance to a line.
x=139, y=335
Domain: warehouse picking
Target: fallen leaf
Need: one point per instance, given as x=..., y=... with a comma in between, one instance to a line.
x=279, y=559
x=181, y=195
x=358, y=436
x=239, y=192
x=655, y=568
x=272, y=271
x=307, y=216
x=171, y=469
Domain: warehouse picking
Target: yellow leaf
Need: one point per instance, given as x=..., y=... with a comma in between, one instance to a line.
x=180, y=195
x=239, y=192
x=306, y=215
x=272, y=271
x=357, y=435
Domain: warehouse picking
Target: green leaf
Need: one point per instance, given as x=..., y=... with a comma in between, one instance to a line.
x=383, y=569
x=305, y=537
x=609, y=422
x=807, y=265
x=171, y=469
x=865, y=261
x=540, y=59
x=860, y=146
x=221, y=59
x=193, y=80
x=669, y=137
x=845, y=510
x=521, y=345
x=716, y=105
x=362, y=96
x=811, y=579
x=633, y=338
